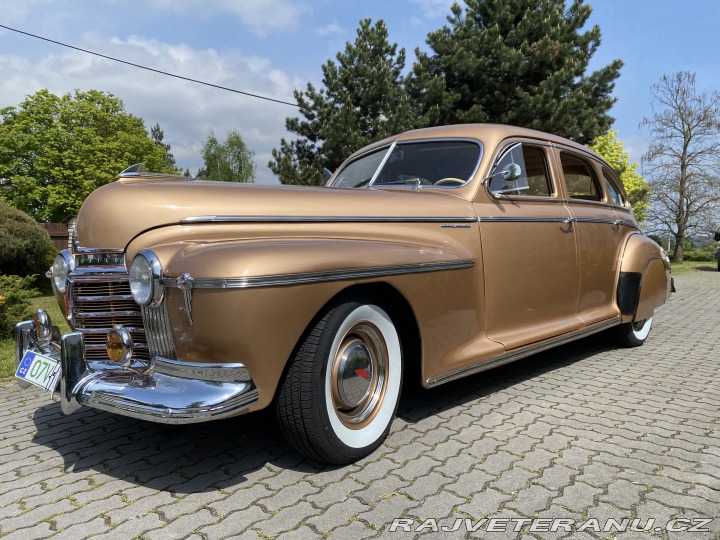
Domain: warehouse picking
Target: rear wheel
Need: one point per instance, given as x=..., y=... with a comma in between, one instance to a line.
x=340, y=393
x=632, y=334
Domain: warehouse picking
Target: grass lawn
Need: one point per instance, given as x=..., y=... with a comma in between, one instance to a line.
x=7, y=346
x=693, y=266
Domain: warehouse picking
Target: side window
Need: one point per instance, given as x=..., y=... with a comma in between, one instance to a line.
x=522, y=170
x=580, y=179
x=611, y=185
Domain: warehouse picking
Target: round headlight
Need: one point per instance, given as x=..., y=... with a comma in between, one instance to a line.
x=146, y=284
x=62, y=266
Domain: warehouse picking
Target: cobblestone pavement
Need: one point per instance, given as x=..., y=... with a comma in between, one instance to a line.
x=580, y=432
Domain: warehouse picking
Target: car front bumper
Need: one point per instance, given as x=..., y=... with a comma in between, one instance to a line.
x=167, y=391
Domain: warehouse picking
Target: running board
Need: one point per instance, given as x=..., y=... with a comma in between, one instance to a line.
x=521, y=353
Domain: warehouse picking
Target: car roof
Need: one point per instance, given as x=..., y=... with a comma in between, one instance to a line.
x=489, y=134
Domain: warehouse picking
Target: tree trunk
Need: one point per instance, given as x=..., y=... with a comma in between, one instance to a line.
x=678, y=253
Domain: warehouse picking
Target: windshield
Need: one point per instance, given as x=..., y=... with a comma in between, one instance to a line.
x=444, y=164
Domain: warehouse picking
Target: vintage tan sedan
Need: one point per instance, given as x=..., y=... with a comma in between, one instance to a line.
x=443, y=251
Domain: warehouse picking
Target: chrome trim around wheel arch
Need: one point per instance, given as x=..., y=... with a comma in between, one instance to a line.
x=317, y=277
x=513, y=355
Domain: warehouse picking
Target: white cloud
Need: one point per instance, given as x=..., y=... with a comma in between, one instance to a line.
x=332, y=28
x=14, y=11
x=261, y=16
x=432, y=9
x=185, y=110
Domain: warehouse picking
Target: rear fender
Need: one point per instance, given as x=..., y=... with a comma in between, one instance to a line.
x=644, y=282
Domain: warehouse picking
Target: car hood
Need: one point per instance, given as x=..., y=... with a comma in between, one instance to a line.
x=118, y=212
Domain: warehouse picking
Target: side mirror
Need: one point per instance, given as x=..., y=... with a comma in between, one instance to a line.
x=511, y=172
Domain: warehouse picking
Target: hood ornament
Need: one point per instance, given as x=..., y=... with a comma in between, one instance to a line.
x=185, y=283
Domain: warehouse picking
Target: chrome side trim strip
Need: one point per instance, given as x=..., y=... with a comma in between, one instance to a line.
x=519, y=354
x=324, y=219
x=205, y=372
x=317, y=277
x=502, y=219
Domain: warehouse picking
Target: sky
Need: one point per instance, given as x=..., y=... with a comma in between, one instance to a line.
x=271, y=47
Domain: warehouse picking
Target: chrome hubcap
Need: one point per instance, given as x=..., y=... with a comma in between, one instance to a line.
x=354, y=374
x=359, y=375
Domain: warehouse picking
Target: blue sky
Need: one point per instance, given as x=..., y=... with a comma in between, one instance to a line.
x=270, y=47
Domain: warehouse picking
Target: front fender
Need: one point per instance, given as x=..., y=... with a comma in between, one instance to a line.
x=252, y=299
x=248, y=262
x=644, y=282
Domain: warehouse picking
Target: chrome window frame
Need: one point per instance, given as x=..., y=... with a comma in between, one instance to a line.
x=553, y=198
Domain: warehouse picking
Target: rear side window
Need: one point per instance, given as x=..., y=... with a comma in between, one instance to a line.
x=611, y=184
x=580, y=179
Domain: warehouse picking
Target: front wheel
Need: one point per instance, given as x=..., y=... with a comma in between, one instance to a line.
x=632, y=334
x=341, y=390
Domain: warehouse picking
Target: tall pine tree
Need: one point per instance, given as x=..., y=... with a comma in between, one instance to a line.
x=520, y=62
x=363, y=100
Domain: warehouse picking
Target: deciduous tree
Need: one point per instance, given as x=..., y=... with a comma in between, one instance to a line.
x=683, y=157
x=637, y=188
x=520, y=62
x=54, y=151
x=362, y=100
x=230, y=161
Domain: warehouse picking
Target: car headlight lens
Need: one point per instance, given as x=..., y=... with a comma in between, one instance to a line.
x=146, y=284
x=60, y=269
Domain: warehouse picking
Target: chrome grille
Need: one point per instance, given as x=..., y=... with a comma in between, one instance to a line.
x=159, y=331
x=99, y=302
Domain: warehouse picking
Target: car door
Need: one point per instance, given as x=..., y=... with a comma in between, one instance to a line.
x=599, y=235
x=529, y=249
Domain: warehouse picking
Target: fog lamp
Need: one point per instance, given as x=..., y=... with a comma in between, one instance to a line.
x=119, y=346
x=43, y=326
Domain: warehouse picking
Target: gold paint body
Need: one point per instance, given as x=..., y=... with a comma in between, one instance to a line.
x=533, y=279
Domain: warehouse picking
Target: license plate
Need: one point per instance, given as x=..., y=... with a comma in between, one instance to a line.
x=39, y=370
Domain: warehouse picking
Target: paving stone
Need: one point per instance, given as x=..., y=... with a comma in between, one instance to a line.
x=436, y=506
x=287, y=518
x=339, y=514
x=356, y=530
x=485, y=503
x=425, y=485
x=235, y=524
x=584, y=430
x=469, y=483
x=386, y=510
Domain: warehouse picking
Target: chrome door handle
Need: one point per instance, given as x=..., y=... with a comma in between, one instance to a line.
x=569, y=221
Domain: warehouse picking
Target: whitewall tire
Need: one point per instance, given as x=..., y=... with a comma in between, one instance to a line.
x=340, y=393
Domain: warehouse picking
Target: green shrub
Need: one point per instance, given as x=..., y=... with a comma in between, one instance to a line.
x=15, y=295
x=25, y=246
x=700, y=255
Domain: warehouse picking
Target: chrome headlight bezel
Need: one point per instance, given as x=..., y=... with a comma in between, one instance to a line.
x=62, y=266
x=146, y=279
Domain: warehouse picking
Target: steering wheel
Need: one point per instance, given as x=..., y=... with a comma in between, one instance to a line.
x=449, y=182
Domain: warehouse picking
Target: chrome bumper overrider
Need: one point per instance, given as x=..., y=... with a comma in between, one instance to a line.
x=170, y=391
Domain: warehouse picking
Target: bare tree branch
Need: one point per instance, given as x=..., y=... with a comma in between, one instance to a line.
x=682, y=159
